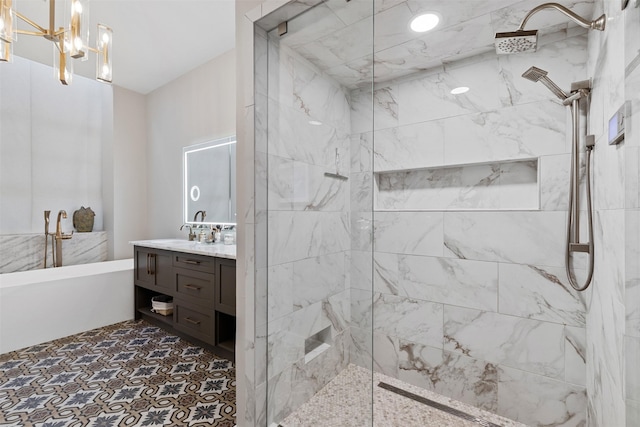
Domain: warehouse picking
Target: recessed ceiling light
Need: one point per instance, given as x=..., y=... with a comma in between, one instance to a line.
x=315, y=122
x=459, y=90
x=424, y=22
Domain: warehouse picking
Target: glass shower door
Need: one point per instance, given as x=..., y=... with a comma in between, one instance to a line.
x=313, y=133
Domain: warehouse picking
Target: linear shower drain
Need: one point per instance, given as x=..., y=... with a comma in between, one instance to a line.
x=439, y=406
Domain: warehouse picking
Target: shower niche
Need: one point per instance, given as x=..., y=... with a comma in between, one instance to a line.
x=507, y=185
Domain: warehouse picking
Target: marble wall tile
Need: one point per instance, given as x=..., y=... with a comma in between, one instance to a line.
x=444, y=280
x=554, y=182
x=361, y=308
x=287, y=128
x=385, y=109
x=453, y=375
x=386, y=354
x=429, y=98
x=531, y=345
x=23, y=252
x=540, y=401
x=575, y=355
x=632, y=273
x=520, y=132
x=632, y=368
x=280, y=291
x=360, y=348
x=414, y=233
x=407, y=147
x=361, y=231
x=318, y=278
x=311, y=25
x=298, y=235
x=287, y=335
x=535, y=238
x=342, y=45
x=632, y=413
x=361, y=267
x=632, y=177
x=361, y=152
x=605, y=323
x=541, y=293
x=361, y=195
x=409, y=319
x=518, y=186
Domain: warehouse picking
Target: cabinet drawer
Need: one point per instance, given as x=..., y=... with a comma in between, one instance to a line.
x=197, y=322
x=194, y=262
x=194, y=286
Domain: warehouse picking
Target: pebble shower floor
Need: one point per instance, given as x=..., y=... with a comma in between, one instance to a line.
x=127, y=374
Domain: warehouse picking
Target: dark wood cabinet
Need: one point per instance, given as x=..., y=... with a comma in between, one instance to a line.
x=203, y=290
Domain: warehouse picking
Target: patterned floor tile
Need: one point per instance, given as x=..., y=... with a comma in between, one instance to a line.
x=129, y=374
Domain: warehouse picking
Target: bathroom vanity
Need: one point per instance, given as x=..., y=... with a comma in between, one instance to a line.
x=201, y=279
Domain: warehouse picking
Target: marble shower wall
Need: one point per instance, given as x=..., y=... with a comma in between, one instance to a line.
x=307, y=267
x=632, y=217
x=472, y=303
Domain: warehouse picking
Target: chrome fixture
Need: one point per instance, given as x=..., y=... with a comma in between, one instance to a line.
x=580, y=91
x=526, y=41
x=59, y=237
x=70, y=41
x=203, y=215
x=192, y=235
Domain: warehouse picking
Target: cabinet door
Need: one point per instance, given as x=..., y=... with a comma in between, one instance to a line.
x=153, y=269
x=225, y=299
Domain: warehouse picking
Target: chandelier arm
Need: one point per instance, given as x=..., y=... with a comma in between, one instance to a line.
x=30, y=33
x=30, y=22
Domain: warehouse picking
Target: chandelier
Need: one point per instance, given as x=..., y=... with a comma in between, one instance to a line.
x=70, y=41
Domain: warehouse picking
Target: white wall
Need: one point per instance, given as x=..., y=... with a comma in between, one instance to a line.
x=196, y=107
x=51, y=139
x=129, y=168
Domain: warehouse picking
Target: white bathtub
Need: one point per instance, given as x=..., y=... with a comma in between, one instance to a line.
x=42, y=305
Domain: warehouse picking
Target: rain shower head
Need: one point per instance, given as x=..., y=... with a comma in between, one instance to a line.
x=526, y=41
x=516, y=41
x=536, y=74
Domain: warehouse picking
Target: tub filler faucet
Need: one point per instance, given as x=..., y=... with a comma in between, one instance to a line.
x=59, y=237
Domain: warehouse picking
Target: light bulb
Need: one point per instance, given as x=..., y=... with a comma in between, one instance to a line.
x=105, y=70
x=425, y=22
x=78, y=43
x=105, y=38
x=77, y=7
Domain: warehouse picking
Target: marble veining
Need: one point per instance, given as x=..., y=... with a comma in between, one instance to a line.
x=23, y=252
x=219, y=250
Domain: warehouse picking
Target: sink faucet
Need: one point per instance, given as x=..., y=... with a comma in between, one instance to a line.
x=192, y=235
x=203, y=214
x=57, y=261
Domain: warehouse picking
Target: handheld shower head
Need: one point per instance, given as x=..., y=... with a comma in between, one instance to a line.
x=516, y=42
x=536, y=74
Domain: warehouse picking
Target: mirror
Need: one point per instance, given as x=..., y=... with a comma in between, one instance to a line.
x=210, y=182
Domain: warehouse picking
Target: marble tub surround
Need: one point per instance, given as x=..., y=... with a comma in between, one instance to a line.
x=23, y=252
x=218, y=250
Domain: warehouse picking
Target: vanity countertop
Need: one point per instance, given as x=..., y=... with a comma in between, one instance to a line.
x=219, y=250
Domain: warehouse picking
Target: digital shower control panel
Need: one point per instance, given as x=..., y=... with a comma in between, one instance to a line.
x=616, y=127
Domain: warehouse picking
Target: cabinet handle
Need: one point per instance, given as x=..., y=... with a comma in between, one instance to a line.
x=148, y=264
x=151, y=257
x=190, y=320
x=192, y=262
x=193, y=287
